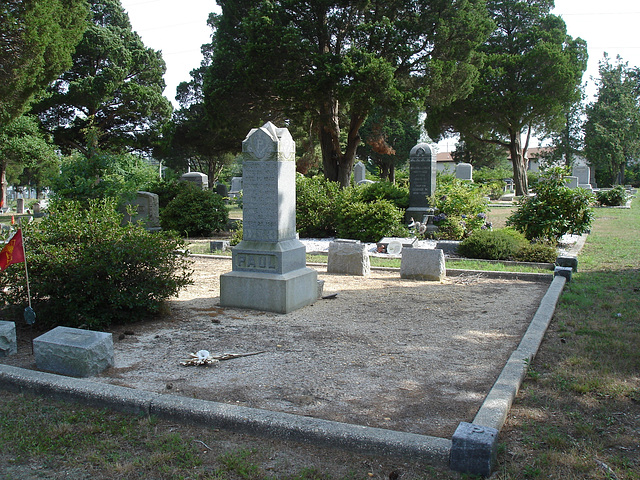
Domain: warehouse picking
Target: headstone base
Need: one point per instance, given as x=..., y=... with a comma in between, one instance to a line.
x=73, y=352
x=417, y=213
x=8, y=342
x=279, y=293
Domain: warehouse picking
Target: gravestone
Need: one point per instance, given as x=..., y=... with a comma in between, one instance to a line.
x=197, y=178
x=147, y=210
x=422, y=181
x=422, y=264
x=219, y=245
x=571, y=181
x=464, y=171
x=269, y=264
x=221, y=189
x=236, y=187
x=349, y=257
x=8, y=343
x=73, y=352
x=359, y=173
x=19, y=206
x=583, y=172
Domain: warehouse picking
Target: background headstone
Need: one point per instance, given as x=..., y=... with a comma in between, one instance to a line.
x=422, y=181
x=221, y=189
x=359, y=173
x=464, y=171
x=147, y=208
x=19, y=206
x=571, y=181
x=197, y=178
x=349, y=257
x=236, y=187
x=269, y=264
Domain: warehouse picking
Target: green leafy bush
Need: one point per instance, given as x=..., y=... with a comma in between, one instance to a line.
x=372, y=192
x=368, y=222
x=88, y=270
x=236, y=235
x=457, y=199
x=537, y=252
x=316, y=206
x=194, y=212
x=167, y=190
x=555, y=209
x=499, y=244
x=615, y=197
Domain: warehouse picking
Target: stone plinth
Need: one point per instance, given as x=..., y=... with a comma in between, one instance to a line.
x=73, y=352
x=197, y=178
x=349, y=257
x=8, y=342
x=269, y=265
x=474, y=449
x=422, y=264
x=422, y=181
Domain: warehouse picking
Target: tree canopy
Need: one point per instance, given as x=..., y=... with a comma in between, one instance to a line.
x=338, y=59
x=612, y=129
x=37, y=39
x=114, y=88
x=530, y=79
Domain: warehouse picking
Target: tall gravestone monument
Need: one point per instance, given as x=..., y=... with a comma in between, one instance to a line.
x=269, y=265
x=422, y=181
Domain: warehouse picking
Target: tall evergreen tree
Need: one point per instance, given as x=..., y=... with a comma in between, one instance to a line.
x=612, y=130
x=338, y=59
x=113, y=89
x=530, y=79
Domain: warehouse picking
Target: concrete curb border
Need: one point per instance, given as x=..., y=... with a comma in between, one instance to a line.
x=472, y=449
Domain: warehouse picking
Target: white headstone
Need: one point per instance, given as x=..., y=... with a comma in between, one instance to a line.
x=359, y=173
x=422, y=264
x=197, y=178
x=583, y=172
x=464, y=171
x=269, y=265
x=571, y=181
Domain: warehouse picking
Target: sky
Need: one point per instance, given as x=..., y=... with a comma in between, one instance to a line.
x=178, y=29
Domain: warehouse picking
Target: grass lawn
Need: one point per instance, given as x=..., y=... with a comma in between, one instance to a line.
x=577, y=415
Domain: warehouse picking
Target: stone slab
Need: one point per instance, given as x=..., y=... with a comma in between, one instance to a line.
x=449, y=247
x=422, y=264
x=563, y=272
x=406, y=242
x=348, y=257
x=219, y=245
x=74, y=352
x=568, y=261
x=8, y=342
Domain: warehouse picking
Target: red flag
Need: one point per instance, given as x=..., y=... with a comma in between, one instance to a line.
x=13, y=252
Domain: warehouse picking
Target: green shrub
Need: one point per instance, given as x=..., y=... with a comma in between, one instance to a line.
x=236, y=235
x=372, y=192
x=167, y=190
x=554, y=210
x=368, y=222
x=499, y=244
x=537, y=252
x=450, y=228
x=455, y=198
x=194, y=212
x=88, y=270
x=316, y=206
x=615, y=197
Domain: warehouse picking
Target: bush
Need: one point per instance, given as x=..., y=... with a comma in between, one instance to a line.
x=368, y=222
x=236, y=235
x=194, y=212
x=316, y=207
x=88, y=270
x=167, y=190
x=554, y=210
x=499, y=244
x=537, y=252
x=372, y=192
x=455, y=198
x=615, y=197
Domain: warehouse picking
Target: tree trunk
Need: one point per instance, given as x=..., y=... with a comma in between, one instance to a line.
x=519, y=165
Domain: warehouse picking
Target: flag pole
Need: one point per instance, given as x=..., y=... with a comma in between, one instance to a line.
x=26, y=273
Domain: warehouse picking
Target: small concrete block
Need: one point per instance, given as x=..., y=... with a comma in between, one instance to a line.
x=474, y=449
x=449, y=247
x=320, y=288
x=568, y=262
x=563, y=272
x=349, y=257
x=219, y=245
x=8, y=343
x=73, y=352
x=422, y=264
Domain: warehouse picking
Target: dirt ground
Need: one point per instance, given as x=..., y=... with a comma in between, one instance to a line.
x=405, y=355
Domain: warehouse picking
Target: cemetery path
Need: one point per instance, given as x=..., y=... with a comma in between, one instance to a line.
x=386, y=352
